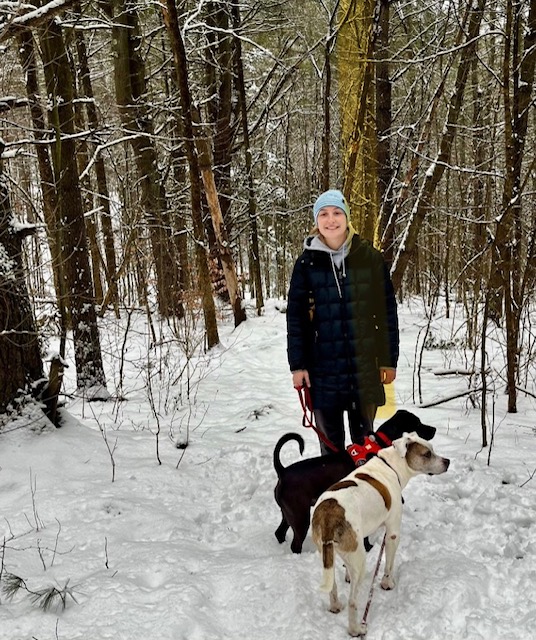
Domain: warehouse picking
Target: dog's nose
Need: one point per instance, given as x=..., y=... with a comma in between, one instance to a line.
x=447, y=463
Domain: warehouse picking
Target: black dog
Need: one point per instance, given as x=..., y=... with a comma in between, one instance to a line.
x=300, y=484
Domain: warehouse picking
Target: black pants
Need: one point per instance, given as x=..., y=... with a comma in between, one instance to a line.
x=331, y=423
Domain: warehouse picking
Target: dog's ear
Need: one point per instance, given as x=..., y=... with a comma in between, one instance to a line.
x=401, y=444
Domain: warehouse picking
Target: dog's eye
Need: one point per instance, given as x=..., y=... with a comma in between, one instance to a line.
x=428, y=454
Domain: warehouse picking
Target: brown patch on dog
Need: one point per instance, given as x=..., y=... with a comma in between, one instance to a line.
x=414, y=454
x=379, y=486
x=331, y=527
x=343, y=484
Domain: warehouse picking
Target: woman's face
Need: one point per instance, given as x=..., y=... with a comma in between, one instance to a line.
x=332, y=224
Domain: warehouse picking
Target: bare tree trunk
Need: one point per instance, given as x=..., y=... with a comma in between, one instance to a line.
x=20, y=359
x=110, y=267
x=172, y=23
x=130, y=86
x=82, y=158
x=507, y=276
x=218, y=109
x=383, y=127
x=220, y=106
x=325, y=176
x=224, y=251
x=254, y=262
x=433, y=175
x=357, y=39
x=388, y=224
x=181, y=240
x=77, y=273
x=478, y=238
x=50, y=198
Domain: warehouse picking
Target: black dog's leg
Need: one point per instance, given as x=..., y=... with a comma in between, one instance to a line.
x=281, y=530
x=300, y=527
x=296, y=544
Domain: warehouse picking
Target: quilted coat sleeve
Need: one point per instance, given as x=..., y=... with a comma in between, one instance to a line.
x=387, y=319
x=299, y=325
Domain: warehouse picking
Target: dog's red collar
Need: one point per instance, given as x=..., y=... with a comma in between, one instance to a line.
x=362, y=452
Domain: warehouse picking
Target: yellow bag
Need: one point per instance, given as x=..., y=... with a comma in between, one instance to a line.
x=389, y=408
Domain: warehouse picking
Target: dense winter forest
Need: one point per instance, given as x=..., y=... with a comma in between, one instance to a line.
x=163, y=155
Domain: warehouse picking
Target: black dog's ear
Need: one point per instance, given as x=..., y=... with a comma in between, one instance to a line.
x=426, y=431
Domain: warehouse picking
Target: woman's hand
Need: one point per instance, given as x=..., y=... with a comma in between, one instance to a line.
x=387, y=375
x=300, y=378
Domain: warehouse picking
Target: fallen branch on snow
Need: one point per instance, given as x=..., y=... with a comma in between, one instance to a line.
x=449, y=398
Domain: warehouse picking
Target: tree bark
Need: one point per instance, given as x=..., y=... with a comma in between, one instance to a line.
x=254, y=255
x=220, y=106
x=424, y=203
x=383, y=127
x=103, y=197
x=507, y=272
x=89, y=369
x=130, y=86
x=169, y=12
x=325, y=176
x=355, y=52
x=82, y=157
x=20, y=358
x=46, y=172
x=224, y=250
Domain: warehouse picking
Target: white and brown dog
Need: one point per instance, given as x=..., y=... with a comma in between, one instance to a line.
x=352, y=509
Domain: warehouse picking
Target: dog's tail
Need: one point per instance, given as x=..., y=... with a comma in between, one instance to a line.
x=283, y=440
x=328, y=562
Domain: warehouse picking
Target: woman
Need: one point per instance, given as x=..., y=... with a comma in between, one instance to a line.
x=342, y=324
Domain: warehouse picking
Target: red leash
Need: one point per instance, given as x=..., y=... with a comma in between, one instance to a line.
x=369, y=601
x=306, y=401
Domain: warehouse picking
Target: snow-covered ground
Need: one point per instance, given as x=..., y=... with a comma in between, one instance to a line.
x=185, y=549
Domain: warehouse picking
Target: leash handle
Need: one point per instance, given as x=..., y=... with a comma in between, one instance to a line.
x=307, y=405
x=306, y=401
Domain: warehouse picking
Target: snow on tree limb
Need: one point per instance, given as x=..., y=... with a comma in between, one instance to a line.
x=22, y=15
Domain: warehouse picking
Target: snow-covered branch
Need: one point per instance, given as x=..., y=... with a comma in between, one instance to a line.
x=21, y=15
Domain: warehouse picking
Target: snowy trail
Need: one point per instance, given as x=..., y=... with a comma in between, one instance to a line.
x=189, y=553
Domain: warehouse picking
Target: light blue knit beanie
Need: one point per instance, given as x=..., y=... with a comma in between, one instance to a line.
x=331, y=198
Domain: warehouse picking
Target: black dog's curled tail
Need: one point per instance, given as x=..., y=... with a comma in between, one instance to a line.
x=279, y=468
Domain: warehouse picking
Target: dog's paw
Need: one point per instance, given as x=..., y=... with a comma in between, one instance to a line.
x=358, y=631
x=296, y=546
x=387, y=583
x=335, y=606
x=281, y=531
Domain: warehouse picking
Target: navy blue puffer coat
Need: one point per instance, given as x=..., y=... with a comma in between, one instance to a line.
x=342, y=325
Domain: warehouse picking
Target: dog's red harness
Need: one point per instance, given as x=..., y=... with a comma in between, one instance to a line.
x=361, y=453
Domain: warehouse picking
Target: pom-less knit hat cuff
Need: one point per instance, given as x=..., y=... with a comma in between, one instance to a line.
x=331, y=198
